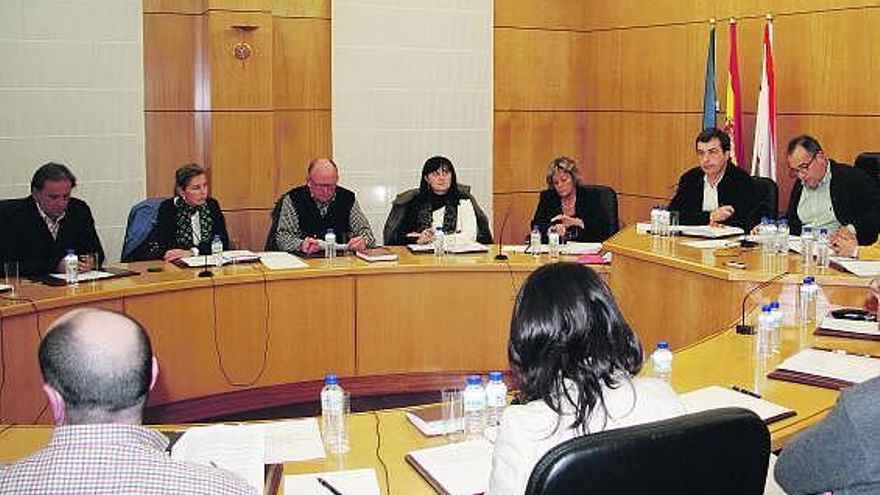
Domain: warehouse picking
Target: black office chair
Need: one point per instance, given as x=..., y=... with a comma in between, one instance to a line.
x=608, y=199
x=870, y=163
x=719, y=452
x=8, y=208
x=768, y=197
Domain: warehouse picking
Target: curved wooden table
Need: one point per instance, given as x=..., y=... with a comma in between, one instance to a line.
x=252, y=338
x=670, y=291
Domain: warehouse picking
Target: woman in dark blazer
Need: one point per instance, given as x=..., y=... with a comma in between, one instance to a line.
x=187, y=223
x=576, y=212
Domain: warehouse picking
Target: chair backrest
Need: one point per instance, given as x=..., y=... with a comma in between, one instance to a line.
x=768, y=197
x=608, y=199
x=870, y=163
x=719, y=452
x=8, y=207
x=271, y=245
x=141, y=222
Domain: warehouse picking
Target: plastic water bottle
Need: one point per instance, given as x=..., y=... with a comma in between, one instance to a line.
x=217, y=250
x=807, y=248
x=535, y=241
x=807, y=301
x=553, y=246
x=823, y=249
x=776, y=334
x=765, y=332
x=661, y=359
x=333, y=416
x=496, y=398
x=439, y=242
x=330, y=244
x=474, y=397
x=71, y=268
x=782, y=233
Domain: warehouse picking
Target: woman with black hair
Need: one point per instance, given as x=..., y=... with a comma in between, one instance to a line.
x=187, y=223
x=575, y=361
x=439, y=201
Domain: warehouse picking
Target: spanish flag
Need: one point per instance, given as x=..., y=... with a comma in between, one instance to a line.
x=733, y=115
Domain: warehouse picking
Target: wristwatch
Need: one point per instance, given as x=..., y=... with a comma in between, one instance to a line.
x=194, y=250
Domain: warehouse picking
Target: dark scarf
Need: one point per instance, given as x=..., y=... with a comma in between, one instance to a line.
x=430, y=202
x=184, y=223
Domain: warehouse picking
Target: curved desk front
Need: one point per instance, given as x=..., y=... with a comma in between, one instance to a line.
x=238, y=340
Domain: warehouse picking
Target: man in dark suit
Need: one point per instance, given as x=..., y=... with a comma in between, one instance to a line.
x=43, y=226
x=716, y=191
x=832, y=196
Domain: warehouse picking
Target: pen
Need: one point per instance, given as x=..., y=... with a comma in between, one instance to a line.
x=746, y=391
x=328, y=486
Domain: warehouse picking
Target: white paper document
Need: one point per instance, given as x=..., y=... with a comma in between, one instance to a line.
x=852, y=326
x=279, y=260
x=715, y=397
x=230, y=447
x=224, y=258
x=711, y=244
x=290, y=441
x=859, y=268
x=710, y=232
x=847, y=367
x=457, y=248
x=569, y=248
x=353, y=482
x=84, y=277
x=459, y=468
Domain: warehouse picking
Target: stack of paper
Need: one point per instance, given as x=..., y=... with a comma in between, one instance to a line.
x=224, y=258
x=710, y=231
x=859, y=268
x=279, y=260
x=868, y=330
x=457, y=248
x=828, y=369
x=716, y=397
x=455, y=469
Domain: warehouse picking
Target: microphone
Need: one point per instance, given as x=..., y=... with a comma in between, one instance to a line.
x=742, y=328
x=206, y=271
x=501, y=256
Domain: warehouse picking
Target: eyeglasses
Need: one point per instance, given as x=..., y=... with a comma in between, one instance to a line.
x=801, y=168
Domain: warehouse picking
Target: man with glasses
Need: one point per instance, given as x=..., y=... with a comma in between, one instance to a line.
x=306, y=212
x=831, y=196
x=716, y=191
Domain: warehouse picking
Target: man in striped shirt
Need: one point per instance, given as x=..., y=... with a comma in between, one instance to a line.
x=98, y=368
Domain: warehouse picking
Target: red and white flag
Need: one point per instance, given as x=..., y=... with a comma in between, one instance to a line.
x=764, y=152
x=733, y=115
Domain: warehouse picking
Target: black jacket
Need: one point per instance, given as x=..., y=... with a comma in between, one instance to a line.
x=588, y=207
x=736, y=189
x=855, y=198
x=402, y=219
x=30, y=242
x=165, y=237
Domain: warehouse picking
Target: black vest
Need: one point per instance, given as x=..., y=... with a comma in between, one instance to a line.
x=312, y=224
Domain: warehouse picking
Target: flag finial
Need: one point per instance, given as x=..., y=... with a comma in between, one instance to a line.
x=732, y=20
x=712, y=21
x=769, y=16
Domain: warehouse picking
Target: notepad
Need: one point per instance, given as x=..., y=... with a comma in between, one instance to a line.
x=715, y=397
x=351, y=482
x=224, y=258
x=455, y=469
x=828, y=369
x=85, y=276
x=429, y=421
x=856, y=329
x=859, y=268
x=376, y=254
x=279, y=260
x=289, y=441
x=710, y=231
x=457, y=248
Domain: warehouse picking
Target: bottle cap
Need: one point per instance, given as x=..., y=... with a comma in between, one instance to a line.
x=329, y=231
x=766, y=309
x=808, y=229
x=663, y=344
x=823, y=231
x=783, y=221
x=809, y=280
x=70, y=251
x=495, y=376
x=774, y=305
x=765, y=219
x=331, y=379
x=474, y=380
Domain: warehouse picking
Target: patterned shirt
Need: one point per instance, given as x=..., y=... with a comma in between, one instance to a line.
x=815, y=208
x=289, y=237
x=113, y=459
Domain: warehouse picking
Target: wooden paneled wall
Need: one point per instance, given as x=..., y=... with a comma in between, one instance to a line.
x=254, y=123
x=618, y=84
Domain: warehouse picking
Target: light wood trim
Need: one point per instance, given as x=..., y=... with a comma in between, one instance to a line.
x=242, y=158
x=302, y=64
x=239, y=84
x=300, y=136
x=302, y=8
x=171, y=51
x=551, y=14
x=174, y=6
x=248, y=228
x=172, y=139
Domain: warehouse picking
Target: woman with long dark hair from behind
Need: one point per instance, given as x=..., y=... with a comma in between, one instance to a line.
x=575, y=361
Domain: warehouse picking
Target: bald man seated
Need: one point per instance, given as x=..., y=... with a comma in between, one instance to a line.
x=98, y=368
x=308, y=211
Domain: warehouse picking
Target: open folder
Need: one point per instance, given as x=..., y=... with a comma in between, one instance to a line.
x=716, y=397
x=827, y=368
x=852, y=329
x=455, y=469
